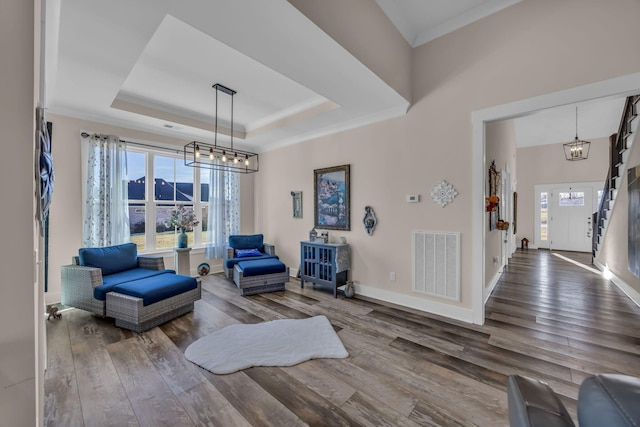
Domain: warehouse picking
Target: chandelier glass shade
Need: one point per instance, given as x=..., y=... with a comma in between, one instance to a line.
x=219, y=157
x=577, y=149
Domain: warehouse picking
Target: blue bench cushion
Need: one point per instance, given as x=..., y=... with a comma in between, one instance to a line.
x=261, y=266
x=157, y=288
x=230, y=262
x=108, y=282
x=247, y=241
x=110, y=259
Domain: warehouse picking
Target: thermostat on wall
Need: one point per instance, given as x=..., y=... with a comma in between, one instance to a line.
x=413, y=198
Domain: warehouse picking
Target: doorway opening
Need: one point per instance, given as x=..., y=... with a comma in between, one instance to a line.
x=620, y=86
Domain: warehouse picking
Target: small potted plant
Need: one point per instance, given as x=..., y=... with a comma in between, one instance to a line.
x=184, y=219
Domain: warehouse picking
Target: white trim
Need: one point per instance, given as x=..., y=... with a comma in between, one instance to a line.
x=426, y=305
x=477, y=220
x=293, y=272
x=621, y=284
x=619, y=86
x=489, y=289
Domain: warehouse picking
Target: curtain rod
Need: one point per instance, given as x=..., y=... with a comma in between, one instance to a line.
x=86, y=135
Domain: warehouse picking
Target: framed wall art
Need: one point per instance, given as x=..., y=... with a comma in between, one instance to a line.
x=296, y=200
x=332, y=198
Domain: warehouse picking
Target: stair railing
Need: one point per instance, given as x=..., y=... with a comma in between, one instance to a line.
x=617, y=146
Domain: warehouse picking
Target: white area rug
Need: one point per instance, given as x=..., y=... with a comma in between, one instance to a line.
x=284, y=342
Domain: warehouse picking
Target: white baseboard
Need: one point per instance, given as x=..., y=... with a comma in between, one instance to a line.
x=293, y=272
x=621, y=284
x=429, y=306
x=494, y=281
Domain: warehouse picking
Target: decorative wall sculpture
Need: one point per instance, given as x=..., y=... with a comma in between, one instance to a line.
x=443, y=193
x=369, y=220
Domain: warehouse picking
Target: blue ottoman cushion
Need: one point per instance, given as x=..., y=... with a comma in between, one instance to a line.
x=157, y=288
x=259, y=267
x=231, y=262
x=110, y=281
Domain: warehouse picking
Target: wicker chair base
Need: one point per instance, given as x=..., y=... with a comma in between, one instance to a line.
x=130, y=313
x=260, y=284
x=262, y=289
x=145, y=326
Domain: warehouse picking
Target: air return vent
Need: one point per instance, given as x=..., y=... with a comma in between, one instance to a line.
x=436, y=264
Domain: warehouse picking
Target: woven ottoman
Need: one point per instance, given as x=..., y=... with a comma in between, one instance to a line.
x=140, y=305
x=260, y=275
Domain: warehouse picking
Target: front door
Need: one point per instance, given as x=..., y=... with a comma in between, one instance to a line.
x=570, y=218
x=563, y=215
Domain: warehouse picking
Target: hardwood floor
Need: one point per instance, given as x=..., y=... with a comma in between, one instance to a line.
x=547, y=318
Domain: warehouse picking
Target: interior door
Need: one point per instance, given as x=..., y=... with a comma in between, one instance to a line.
x=570, y=222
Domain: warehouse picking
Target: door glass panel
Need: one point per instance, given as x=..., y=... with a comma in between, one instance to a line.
x=544, y=214
x=573, y=198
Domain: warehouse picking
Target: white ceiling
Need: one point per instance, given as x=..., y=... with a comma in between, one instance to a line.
x=149, y=65
x=598, y=118
x=421, y=21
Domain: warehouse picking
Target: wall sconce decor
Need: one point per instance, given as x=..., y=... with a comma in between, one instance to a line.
x=296, y=200
x=369, y=220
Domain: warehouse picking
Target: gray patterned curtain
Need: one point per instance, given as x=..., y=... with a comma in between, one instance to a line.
x=224, y=211
x=106, y=219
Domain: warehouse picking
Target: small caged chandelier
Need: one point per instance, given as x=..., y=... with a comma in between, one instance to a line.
x=218, y=157
x=578, y=149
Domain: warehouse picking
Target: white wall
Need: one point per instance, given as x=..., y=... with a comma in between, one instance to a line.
x=20, y=381
x=66, y=222
x=526, y=50
x=377, y=43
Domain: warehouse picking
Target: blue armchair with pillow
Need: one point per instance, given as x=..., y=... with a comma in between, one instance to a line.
x=244, y=247
x=96, y=271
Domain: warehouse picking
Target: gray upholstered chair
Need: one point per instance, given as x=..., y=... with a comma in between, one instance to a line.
x=604, y=400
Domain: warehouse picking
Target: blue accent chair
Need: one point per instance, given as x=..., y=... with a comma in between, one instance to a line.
x=238, y=247
x=136, y=291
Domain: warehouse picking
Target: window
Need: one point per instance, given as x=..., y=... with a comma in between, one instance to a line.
x=158, y=182
x=573, y=198
x=136, y=166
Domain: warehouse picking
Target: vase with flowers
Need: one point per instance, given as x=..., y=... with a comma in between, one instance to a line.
x=183, y=219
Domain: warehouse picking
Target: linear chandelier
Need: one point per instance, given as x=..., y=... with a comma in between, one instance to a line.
x=578, y=149
x=218, y=157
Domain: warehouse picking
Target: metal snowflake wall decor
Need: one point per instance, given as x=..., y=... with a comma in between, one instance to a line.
x=443, y=193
